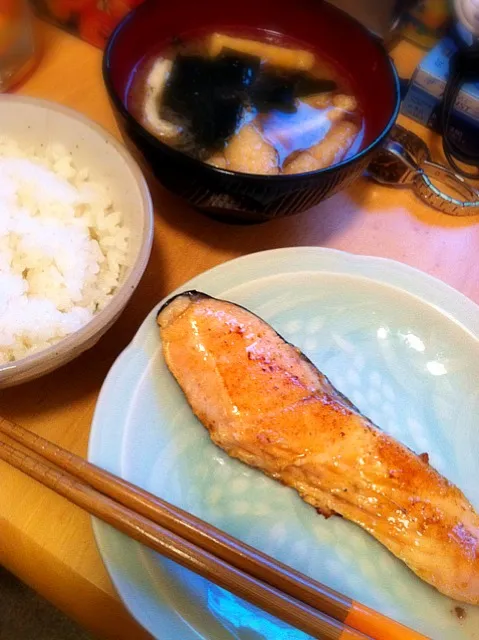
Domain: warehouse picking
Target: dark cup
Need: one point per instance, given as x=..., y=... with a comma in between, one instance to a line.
x=240, y=197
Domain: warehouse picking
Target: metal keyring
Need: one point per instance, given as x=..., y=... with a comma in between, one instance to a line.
x=405, y=161
x=427, y=191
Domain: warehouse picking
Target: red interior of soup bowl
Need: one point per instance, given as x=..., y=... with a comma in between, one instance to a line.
x=317, y=24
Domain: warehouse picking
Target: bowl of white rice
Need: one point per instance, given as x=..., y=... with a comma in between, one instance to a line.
x=76, y=230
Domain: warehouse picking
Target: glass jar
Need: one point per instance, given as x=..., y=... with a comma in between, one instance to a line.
x=17, y=49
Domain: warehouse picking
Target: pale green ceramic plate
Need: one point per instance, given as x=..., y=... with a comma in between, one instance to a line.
x=400, y=344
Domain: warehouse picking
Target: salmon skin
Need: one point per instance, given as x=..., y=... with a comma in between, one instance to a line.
x=265, y=403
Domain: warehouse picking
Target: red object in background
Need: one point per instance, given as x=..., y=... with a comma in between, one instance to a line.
x=119, y=8
x=92, y=20
x=95, y=26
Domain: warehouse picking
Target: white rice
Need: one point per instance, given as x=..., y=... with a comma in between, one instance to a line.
x=63, y=247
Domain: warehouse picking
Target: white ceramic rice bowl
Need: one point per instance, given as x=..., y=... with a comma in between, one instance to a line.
x=32, y=122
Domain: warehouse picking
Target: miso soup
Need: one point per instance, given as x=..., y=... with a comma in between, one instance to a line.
x=248, y=105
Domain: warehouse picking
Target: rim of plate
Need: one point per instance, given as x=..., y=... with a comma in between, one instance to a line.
x=451, y=303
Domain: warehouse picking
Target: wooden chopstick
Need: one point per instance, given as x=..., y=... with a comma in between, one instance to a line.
x=296, y=613
x=178, y=527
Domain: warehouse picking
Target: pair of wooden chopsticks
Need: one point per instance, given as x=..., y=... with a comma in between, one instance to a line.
x=211, y=553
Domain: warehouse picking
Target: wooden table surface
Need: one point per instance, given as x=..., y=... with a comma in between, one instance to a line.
x=46, y=541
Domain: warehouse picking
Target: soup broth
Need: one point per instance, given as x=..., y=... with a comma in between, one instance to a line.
x=248, y=105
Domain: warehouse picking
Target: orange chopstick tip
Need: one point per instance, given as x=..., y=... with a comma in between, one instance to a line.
x=377, y=626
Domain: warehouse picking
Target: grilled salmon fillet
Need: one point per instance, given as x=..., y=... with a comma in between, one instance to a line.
x=266, y=404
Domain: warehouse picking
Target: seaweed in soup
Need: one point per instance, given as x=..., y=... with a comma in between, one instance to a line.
x=279, y=89
x=206, y=96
